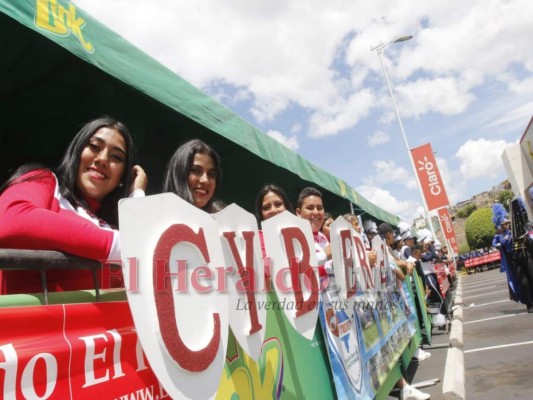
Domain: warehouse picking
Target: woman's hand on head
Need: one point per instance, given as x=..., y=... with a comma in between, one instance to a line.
x=139, y=180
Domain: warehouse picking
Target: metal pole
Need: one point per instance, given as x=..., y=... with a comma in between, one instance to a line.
x=419, y=186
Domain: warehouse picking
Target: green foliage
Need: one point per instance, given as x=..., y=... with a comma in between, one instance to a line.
x=503, y=197
x=479, y=229
x=464, y=248
x=466, y=210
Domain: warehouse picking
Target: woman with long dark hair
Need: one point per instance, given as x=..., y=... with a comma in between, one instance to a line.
x=72, y=208
x=270, y=201
x=194, y=174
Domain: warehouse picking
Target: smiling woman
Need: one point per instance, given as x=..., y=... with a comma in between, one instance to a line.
x=66, y=209
x=194, y=174
x=101, y=164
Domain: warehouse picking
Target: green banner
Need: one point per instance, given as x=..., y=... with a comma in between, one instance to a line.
x=420, y=292
x=290, y=366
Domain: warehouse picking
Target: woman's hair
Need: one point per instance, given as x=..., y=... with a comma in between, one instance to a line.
x=23, y=170
x=350, y=217
x=261, y=195
x=178, y=169
x=67, y=170
x=326, y=217
x=218, y=205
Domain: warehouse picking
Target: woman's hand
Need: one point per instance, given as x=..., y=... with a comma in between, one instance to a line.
x=139, y=180
x=327, y=250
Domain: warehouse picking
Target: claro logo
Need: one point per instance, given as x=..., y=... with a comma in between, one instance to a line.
x=447, y=225
x=435, y=186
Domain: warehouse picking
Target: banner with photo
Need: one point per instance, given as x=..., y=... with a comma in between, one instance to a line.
x=366, y=332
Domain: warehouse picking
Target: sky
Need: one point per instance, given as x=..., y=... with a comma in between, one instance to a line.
x=303, y=72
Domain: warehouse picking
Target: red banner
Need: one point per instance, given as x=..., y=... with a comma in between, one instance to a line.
x=429, y=176
x=73, y=351
x=447, y=228
x=455, y=246
x=483, y=259
x=442, y=278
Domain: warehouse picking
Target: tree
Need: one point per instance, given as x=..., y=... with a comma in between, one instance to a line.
x=464, y=249
x=466, y=211
x=479, y=229
x=503, y=198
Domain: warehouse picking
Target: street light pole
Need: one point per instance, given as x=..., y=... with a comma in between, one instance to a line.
x=379, y=49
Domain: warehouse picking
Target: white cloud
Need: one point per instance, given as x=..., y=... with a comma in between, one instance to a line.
x=297, y=127
x=454, y=183
x=308, y=65
x=377, y=138
x=318, y=56
x=267, y=108
x=341, y=116
x=446, y=96
x=408, y=210
x=481, y=158
x=291, y=142
x=386, y=171
x=519, y=115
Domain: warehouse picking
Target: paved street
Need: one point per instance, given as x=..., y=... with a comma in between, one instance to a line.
x=498, y=340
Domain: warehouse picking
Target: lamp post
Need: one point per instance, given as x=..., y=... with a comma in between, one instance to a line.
x=379, y=48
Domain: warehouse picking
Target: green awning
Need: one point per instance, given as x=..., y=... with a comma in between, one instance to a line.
x=46, y=92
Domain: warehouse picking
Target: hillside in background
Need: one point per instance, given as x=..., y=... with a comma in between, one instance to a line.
x=481, y=200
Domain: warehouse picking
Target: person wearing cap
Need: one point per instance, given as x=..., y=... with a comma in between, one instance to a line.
x=371, y=229
x=427, y=263
x=408, y=243
x=397, y=246
x=518, y=283
x=387, y=233
x=503, y=237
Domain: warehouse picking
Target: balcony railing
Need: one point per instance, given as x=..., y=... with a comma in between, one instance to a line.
x=44, y=260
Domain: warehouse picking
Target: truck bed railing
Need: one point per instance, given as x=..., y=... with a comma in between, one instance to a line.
x=44, y=260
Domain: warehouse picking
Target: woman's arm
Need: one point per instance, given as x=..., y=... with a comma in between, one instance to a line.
x=31, y=218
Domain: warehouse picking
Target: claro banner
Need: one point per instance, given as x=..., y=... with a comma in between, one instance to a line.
x=447, y=228
x=429, y=176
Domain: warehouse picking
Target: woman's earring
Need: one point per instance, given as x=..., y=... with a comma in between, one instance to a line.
x=120, y=184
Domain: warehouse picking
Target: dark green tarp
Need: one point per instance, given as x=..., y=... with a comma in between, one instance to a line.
x=60, y=68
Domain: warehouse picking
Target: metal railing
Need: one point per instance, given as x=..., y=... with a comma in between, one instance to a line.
x=44, y=260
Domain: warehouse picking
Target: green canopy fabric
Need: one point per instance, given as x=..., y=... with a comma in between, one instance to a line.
x=60, y=68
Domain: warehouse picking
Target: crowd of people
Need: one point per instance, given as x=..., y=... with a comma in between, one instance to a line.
x=73, y=208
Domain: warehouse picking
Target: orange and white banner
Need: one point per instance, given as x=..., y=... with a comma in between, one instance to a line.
x=429, y=176
x=447, y=228
x=455, y=246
